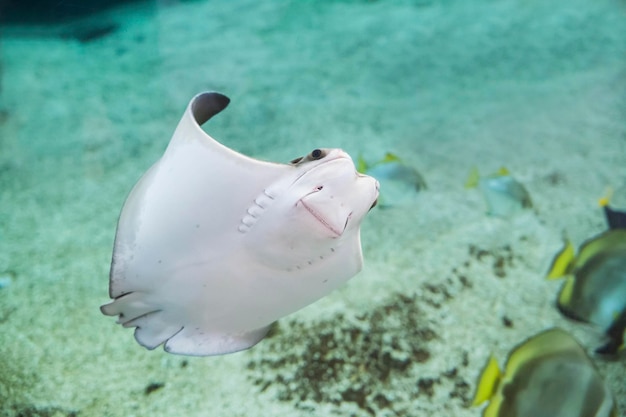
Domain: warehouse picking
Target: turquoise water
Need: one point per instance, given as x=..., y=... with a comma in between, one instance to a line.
x=89, y=103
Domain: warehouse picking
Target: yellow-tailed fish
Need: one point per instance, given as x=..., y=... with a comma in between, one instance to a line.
x=548, y=375
x=595, y=286
x=503, y=194
x=399, y=181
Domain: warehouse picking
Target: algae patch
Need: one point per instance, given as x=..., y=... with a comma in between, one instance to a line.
x=370, y=360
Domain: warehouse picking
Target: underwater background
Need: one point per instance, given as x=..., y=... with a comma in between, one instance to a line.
x=90, y=96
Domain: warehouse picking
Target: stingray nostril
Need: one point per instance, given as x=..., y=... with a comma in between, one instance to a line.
x=374, y=204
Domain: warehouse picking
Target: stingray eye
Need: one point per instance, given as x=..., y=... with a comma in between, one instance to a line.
x=295, y=161
x=317, y=154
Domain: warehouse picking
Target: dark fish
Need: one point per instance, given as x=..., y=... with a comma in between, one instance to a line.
x=548, y=375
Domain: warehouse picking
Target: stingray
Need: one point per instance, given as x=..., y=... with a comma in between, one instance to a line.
x=213, y=246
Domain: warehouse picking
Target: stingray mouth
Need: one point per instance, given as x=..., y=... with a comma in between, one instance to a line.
x=336, y=229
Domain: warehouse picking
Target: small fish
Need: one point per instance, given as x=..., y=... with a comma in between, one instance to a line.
x=400, y=181
x=548, y=375
x=595, y=284
x=503, y=194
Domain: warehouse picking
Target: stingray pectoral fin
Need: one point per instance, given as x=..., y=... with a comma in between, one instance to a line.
x=194, y=341
x=208, y=104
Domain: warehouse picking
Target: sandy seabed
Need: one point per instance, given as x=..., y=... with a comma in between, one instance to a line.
x=539, y=88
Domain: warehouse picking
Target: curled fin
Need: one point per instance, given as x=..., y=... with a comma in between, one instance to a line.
x=488, y=382
x=562, y=261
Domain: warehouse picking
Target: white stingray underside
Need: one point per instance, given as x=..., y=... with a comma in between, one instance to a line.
x=213, y=246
